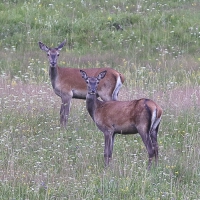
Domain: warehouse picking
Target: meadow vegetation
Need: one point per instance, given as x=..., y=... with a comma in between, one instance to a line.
x=158, y=51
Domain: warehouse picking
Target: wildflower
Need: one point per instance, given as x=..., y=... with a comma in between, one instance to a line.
x=13, y=83
x=125, y=189
x=109, y=18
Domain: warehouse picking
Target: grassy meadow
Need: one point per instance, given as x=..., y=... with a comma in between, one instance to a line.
x=158, y=51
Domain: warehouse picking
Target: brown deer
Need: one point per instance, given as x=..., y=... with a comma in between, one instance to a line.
x=67, y=82
x=141, y=116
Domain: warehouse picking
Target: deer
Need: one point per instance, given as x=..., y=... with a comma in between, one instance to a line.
x=141, y=116
x=67, y=82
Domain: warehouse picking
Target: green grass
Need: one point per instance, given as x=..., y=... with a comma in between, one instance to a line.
x=157, y=51
x=38, y=160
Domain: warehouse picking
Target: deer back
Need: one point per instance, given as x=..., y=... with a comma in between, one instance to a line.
x=69, y=79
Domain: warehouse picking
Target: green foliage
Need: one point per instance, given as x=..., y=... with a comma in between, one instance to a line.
x=90, y=23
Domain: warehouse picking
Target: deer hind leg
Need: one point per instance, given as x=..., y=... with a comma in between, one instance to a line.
x=150, y=150
x=64, y=110
x=153, y=136
x=149, y=146
x=106, y=97
x=111, y=93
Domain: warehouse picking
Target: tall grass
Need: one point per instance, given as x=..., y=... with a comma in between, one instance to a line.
x=157, y=51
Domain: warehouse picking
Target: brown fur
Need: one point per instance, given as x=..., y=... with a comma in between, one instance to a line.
x=123, y=117
x=67, y=82
x=70, y=79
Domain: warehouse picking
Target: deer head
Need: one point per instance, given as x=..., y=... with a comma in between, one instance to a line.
x=92, y=82
x=52, y=53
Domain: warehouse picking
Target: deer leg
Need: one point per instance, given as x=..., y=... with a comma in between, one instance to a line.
x=153, y=136
x=112, y=144
x=148, y=144
x=64, y=110
x=108, y=147
x=150, y=150
x=106, y=97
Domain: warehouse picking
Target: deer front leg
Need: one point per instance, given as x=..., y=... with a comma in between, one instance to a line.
x=64, y=110
x=108, y=149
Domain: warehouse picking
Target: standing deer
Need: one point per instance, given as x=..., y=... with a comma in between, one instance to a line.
x=141, y=116
x=67, y=82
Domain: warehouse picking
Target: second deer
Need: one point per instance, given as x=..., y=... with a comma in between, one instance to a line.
x=141, y=116
x=67, y=82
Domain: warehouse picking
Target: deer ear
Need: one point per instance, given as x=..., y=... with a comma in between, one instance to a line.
x=84, y=75
x=43, y=46
x=102, y=75
x=61, y=45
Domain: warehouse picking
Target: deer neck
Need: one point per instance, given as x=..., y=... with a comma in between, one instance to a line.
x=53, y=73
x=92, y=103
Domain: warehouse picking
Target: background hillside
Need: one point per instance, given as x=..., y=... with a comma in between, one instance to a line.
x=158, y=51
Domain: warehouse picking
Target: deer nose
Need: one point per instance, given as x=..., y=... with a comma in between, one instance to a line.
x=53, y=63
x=92, y=92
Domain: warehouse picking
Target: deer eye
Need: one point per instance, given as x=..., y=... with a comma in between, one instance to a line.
x=58, y=54
x=48, y=54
